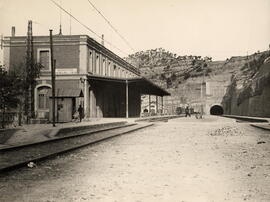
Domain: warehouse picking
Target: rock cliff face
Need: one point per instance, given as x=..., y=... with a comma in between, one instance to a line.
x=249, y=91
x=197, y=81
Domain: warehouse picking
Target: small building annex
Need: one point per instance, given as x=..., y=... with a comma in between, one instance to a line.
x=87, y=74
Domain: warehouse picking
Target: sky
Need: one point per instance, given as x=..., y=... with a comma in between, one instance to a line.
x=216, y=28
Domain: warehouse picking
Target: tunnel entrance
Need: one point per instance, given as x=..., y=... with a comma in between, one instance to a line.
x=216, y=110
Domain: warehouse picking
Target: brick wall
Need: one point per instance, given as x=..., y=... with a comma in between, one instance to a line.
x=67, y=56
x=67, y=84
x=17, y=57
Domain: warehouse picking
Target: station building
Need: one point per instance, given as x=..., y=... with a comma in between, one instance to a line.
x=87, y=74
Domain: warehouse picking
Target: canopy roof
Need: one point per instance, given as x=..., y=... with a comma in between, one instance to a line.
x=144, y=85
x=67, y=93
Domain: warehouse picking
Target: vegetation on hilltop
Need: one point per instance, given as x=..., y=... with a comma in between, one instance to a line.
x=168, y=69
x=182, y=75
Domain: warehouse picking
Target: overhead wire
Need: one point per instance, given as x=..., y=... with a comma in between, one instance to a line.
x=86, y=27
x=110, y=24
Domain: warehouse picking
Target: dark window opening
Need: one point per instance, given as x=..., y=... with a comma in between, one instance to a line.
x=45, y=59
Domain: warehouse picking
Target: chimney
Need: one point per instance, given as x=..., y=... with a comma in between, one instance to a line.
x=60, y=30
x=102, y=42
x=13, y=31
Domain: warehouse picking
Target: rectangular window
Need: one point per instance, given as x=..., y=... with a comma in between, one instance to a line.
x=44, y=59
x=109, y=68
x=43, y=101
x=119, y=72
x=97, y=63
x=90, y=62
x=94, y=61
x=114, y=71
x=104, y=67
x=100, y=65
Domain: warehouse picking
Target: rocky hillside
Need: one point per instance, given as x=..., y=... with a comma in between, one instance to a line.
x=182, y=76
x=176, y=73
x=167, y=69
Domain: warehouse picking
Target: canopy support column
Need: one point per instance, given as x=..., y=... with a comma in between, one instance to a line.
x=86, y=99
x=149, y=104
x=162, y=110
x=126, y=98
x=156, y=104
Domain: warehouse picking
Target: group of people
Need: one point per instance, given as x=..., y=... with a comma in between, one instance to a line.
x=78, y=115
x=189, y=111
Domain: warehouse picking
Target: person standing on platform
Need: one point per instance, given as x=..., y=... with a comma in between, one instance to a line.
x=187, y=111
x=80, y=110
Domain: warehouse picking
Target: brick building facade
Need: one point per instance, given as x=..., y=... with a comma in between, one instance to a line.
x=86, y=72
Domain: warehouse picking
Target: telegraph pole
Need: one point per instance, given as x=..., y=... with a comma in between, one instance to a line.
x=32, y=105
x=53, y=79
x=29, y=89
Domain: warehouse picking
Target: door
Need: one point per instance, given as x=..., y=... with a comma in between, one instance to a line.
x=64, y=110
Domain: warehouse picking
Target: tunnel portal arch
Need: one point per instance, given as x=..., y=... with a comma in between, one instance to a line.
x=216, y=110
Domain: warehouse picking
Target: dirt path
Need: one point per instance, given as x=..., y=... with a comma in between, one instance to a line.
x=214, y=159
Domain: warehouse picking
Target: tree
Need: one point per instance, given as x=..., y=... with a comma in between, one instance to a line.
x=9, y=94
x=26, y=81
x=14, y=85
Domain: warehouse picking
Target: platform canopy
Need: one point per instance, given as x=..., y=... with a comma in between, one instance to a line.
x=144, y=85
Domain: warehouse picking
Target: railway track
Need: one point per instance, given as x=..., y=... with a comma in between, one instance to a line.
x=18, y=156
x=158, y=118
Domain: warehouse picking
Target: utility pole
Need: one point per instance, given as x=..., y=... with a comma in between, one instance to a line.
x=28, y=76
x=32, y=105
x=53, y=79
x=70, y=23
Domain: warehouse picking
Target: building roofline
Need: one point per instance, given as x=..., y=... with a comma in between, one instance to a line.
x=90, y=41
x=137, y=71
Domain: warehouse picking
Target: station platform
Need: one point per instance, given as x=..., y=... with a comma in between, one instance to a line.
x=258, y=122
x=264, y=126
x=30, y=133
x=249, y=118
